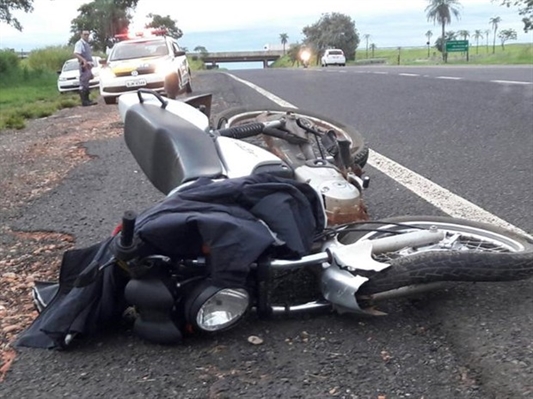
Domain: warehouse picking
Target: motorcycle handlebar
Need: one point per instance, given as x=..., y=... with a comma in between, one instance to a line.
x=128, y=225
x=249, y=129
x=242, y=132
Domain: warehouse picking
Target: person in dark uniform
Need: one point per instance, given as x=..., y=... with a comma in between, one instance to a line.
x=83, y=52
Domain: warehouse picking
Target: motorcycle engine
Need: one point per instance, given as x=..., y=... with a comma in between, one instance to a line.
x=342, y=200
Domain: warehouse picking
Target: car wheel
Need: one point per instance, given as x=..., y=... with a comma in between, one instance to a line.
x=172, y=85
x=110, y=100
x=188, y=86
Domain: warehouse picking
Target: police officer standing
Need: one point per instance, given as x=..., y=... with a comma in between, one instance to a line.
x=83, y=52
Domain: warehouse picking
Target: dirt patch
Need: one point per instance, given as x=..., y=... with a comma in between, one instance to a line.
x=34, y=161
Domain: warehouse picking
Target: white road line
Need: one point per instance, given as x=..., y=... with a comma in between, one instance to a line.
x=408, y=74
x=380, y=73
x=449, y=77
x=436, y=195
x=511, y=82
x=262, y=91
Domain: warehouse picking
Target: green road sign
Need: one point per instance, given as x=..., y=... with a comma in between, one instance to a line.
x=456, y=45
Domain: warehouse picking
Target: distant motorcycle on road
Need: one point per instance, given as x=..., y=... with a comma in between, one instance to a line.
x=305, y=57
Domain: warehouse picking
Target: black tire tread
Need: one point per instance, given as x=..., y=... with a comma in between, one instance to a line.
x=456, y=266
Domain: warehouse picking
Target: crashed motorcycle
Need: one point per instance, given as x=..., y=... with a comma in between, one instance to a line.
x=253, y=196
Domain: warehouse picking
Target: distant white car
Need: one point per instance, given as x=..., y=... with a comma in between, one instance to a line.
x=69, y=75
x=333, y=56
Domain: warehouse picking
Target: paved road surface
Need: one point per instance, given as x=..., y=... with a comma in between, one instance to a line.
x=472, y=341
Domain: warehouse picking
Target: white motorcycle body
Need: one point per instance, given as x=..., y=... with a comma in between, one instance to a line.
x=239, y=158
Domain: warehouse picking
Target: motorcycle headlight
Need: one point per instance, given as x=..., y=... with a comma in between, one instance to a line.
x=214, y=309
x=305, y=55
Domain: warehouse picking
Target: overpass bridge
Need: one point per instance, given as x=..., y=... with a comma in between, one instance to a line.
x=238, y=56
x=230, y=56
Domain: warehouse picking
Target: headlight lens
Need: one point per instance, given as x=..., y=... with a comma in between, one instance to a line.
x=164, y=68
x=222, y=310
x=106, y=74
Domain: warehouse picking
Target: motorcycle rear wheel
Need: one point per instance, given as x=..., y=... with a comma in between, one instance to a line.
x=241, y=115
x=475, y=252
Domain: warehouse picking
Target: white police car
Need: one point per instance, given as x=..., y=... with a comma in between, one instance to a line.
x=153, y=62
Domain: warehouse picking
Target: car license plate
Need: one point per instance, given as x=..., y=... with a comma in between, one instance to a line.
x=136, y=83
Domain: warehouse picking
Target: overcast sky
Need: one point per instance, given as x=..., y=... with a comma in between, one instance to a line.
x=223, y=25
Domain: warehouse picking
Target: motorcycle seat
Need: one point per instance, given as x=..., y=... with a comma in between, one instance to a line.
x=169, y=149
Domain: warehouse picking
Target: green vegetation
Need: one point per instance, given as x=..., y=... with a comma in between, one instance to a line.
x=482, y=55
x=512, y=54
x=333, y=30
x=28, y=88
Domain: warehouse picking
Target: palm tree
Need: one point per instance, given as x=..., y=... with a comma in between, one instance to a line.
x=284, y=39
x=477, y=35
x=373, y=48
x=366, y=36
x=428, y=35
x=464, y=34
x=494, y=21
x=487, y=34
x=450, y=35
x=441, y=11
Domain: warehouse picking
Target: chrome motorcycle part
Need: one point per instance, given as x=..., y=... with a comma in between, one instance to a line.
x=314, y=306
x=414, y=239
x=340, y=287
x=213, y=309
x=356, y=256
x=342, y=200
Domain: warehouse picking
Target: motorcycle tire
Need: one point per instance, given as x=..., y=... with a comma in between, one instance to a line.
x=475, y=252
x=239, y=115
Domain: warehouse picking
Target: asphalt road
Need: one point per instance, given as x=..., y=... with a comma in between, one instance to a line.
x=472, y=136
x=472, y=341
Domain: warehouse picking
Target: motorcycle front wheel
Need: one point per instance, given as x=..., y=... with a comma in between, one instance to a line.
x=242, y=115
x=471, y=251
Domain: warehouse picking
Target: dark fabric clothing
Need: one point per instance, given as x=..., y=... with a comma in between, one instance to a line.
x=224, y=215
x=229, y=217
x=78, y=310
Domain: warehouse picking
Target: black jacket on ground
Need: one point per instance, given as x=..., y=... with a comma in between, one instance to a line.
x=228, y=217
